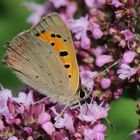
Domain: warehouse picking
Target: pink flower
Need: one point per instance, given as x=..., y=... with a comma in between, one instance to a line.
x=96, y=133
x=129, y=56
x=87, y=79
x=48, y=127
x=28, y=130
x=71, y=9
x=116, y=3
x=95, y=4
x=38, y=11
x=13, y=138
x=30, y=138
x=127, y=34
x=59, y=3
x=4, y=95
x=136, y=134
x=96, y=31
x=79, y=27
x=103, y=59
x=85, y=42
x=66, y=122
x=44, y=117
x=92, y=112
x=98, y=51
x=112, y=31
x=122, y=43
x=27, y=99
x=105, y=83
x=125, y=71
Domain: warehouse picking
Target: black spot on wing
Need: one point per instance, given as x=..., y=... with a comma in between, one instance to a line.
x=59, y=36
x=52, y=43
x=53, y=35
x=37, y=76
x=37, y=34
x=63, y=53
x=67, y=66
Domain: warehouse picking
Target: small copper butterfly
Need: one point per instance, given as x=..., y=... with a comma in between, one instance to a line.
x=44, y=58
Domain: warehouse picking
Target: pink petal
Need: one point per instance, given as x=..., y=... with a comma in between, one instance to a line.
x=88, y=134
x=98, y=111
x=13, y=138
x=85, y=42
x=89, y=3
x=30, y=138
x=87, y=118
x=6, y=93
x=69, y=122
x=99, y=136
x=60, y=122
x=94, y=4
x=29, y=99
x=44, y=117
x=116, y=3
x=129, y=56
x=103, y=59
x=71, y=9
x=48, y=127
x=135, y=134
x=28, y=130
x=38, y=11
x=79, y=27
x=125, y=71
x=128, y=34
x=38, y=108
x=125, y=66
x=98, y=51
x=18, y=121
x=122, y=43
x=96, y=32
x=86, y=77
x=123, y=76
x=105, y=83
x=59, y=3
x=99, y=128
x=22, y=96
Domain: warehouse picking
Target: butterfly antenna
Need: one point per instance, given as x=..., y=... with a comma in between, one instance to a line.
x=115, y=63
x=63, y=110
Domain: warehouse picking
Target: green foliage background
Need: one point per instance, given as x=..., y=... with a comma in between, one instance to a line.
x=12, y=21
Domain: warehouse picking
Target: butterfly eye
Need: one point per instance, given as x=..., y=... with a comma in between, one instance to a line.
x=82, y=94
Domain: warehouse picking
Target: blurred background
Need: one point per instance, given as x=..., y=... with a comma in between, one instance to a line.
x=12, y=21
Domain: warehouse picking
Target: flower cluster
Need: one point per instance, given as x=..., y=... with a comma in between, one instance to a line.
x=22, y=118
x=104, y=32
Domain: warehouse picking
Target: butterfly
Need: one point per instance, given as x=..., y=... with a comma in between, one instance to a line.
x=44, y=58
